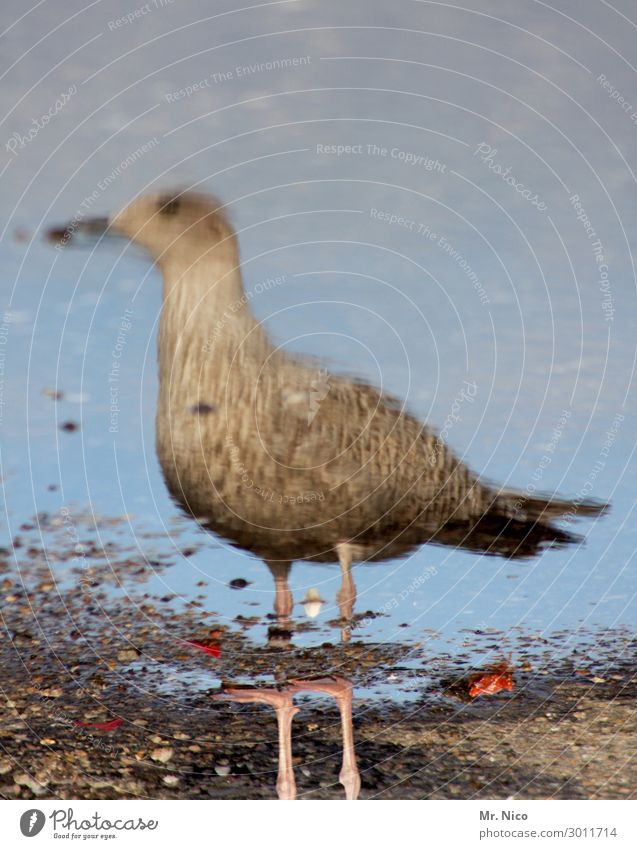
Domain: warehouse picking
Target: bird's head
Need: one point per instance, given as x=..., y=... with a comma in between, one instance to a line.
x=166, y=225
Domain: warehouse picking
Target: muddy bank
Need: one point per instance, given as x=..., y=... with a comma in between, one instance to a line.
x=566, y=736
x=112, y=696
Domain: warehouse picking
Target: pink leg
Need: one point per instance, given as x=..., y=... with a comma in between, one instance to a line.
x=283, y=601
x=281, y=701
x=341, y=690
x=346, y=596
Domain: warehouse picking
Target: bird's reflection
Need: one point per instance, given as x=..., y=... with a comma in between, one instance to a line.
x=281, y=699
x=279, y=457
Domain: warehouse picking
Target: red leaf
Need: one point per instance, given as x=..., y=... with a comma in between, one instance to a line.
x=111, y=725
x=489, y=685
x=213, y=648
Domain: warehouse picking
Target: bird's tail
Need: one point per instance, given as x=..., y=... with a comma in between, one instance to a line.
x=516, y=525
x=545, y=508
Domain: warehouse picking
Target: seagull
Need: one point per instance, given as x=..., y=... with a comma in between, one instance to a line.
x=279, y=456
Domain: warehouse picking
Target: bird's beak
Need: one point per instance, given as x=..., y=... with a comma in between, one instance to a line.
x=80, y=231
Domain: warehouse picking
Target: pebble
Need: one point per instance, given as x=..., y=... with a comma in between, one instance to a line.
x=25, y=780
x=162, y=755
x=126, y=655
x=51, y=692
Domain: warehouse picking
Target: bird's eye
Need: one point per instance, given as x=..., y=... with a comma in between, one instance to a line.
x=169, y=206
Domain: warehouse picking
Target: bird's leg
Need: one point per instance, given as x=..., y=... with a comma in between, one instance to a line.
x=341, y=690
x=346, y=596
x=281, y=701
x=283, y=602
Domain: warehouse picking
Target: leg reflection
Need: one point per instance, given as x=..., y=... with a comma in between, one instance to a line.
x=281, y=701
x=341, y=690
x=346, y=596
x=280, y=570
x=280, y=634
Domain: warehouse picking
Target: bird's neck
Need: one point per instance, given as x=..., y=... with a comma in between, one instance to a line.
x=205, y=321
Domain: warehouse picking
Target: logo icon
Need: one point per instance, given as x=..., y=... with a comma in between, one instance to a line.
x=32, y=822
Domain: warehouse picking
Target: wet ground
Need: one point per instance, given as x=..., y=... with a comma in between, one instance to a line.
x=110, y=695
